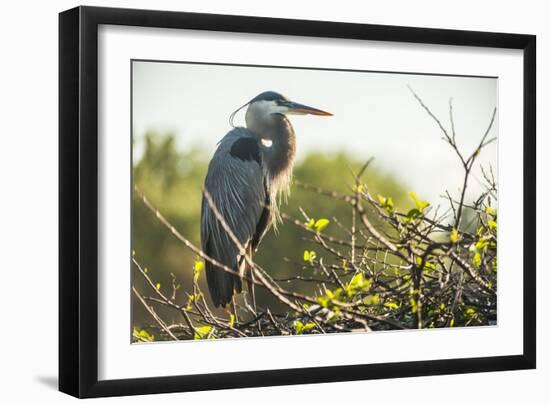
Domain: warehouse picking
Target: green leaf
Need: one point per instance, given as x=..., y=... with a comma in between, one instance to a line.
x=345, y=265
x=158, y=285
x=482, y=244
x=414, y=305
x=454, y=235
x=491, y=211
x=197, y=269
x=199, y=265
x=323, y=301
x=142, y=335
x=427, y=266
x=309, y=256
x=301, y=328
x=391, y=305
x=477, y=259
x=357, y=280
x=412, y=214
x=386, y=203
x=492, y=225
x=372, y=299
x=321, y=224
x=202, y=332
x=358, y=283
x=231, y=320
x=318, y=225
x=420, y=205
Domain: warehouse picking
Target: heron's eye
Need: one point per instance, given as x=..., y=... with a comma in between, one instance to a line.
x=267, y=142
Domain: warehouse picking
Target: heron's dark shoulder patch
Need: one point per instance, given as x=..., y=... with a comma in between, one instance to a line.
x=246, y=149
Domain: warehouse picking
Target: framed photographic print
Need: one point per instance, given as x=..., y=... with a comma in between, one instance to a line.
x=251, y=201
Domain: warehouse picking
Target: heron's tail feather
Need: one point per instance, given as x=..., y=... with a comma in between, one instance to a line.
x=221, y=284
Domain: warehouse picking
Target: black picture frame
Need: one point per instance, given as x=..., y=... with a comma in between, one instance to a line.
x=78, y=200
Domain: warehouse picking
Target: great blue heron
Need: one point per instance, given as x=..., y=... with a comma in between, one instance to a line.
x=250, y=169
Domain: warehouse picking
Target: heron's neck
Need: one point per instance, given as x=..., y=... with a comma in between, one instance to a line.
x=279, y=156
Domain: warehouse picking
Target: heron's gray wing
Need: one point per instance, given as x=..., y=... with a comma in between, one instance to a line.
x=265, y=221
x=235, y=182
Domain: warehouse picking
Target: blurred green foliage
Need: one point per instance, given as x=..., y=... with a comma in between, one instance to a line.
x=172, y=180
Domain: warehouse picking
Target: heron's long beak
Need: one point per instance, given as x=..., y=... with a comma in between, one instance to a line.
x=295, y=108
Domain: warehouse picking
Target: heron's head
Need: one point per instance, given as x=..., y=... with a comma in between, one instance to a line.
x=262, y=107
x=271, y=102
